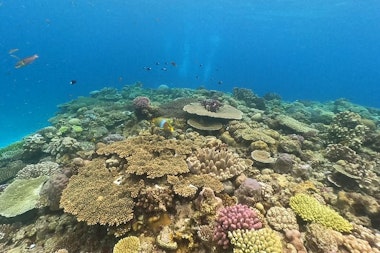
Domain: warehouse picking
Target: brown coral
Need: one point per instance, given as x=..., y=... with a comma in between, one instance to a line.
x=221, y=163
x=93, y=197
x=151, y=155
x=187, y=186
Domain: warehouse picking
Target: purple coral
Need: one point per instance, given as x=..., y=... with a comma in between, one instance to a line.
x=212, y=105
x=249, y=192
x=232, y=218
x=141, y=103
x=284, y=163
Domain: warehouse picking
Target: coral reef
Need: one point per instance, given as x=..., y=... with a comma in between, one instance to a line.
x=309, y=209
x=214, y=184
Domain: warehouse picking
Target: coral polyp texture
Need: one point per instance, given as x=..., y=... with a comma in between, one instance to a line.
x=232, y=218
x=93, y=197
x=130, y=244
x=152, y=155
x=255, y=241
x=221, y=163
x=310, y=209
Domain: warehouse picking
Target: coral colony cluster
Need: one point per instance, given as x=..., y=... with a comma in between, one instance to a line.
x=236, y=173
x=212, y=105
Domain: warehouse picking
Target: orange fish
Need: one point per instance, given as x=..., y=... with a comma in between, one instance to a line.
x=26, y=61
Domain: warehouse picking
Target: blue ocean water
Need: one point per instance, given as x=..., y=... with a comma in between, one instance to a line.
x=307, y=50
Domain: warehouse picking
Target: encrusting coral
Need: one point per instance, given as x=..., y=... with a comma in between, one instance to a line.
x=21, y=196
x=309, y=209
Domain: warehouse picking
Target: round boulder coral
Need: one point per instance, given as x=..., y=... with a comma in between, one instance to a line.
x=232, y=218
x=281, y=218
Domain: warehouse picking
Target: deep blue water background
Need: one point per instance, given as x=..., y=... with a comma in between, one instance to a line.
x=316, y=50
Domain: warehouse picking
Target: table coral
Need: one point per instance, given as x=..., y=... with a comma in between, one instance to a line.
x=294, y=125
x=255, y=241
x=309, y=209
x=224, y=112
x=93, y=197
x=232, y=218
x=151, y=155
x=221, y=163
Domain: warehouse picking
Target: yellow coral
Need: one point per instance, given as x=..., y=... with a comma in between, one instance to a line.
x=130, y=244
x=255, y=241
x=311, y=210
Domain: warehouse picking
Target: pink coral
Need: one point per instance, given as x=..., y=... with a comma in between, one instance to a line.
x=232, y=218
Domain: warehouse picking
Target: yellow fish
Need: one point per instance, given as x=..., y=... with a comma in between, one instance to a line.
x=163, y=123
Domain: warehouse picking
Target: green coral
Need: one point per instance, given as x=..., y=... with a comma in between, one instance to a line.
x=255, y=241
x=21, y=196
x=311, y=210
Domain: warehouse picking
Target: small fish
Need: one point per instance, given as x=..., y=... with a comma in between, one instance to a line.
x=163, y=123
x=13, y=50
x=220, y=82
x=174, y=64
x=26, y=61
x=72, y=82
x=147, y=68
x=164, y=69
